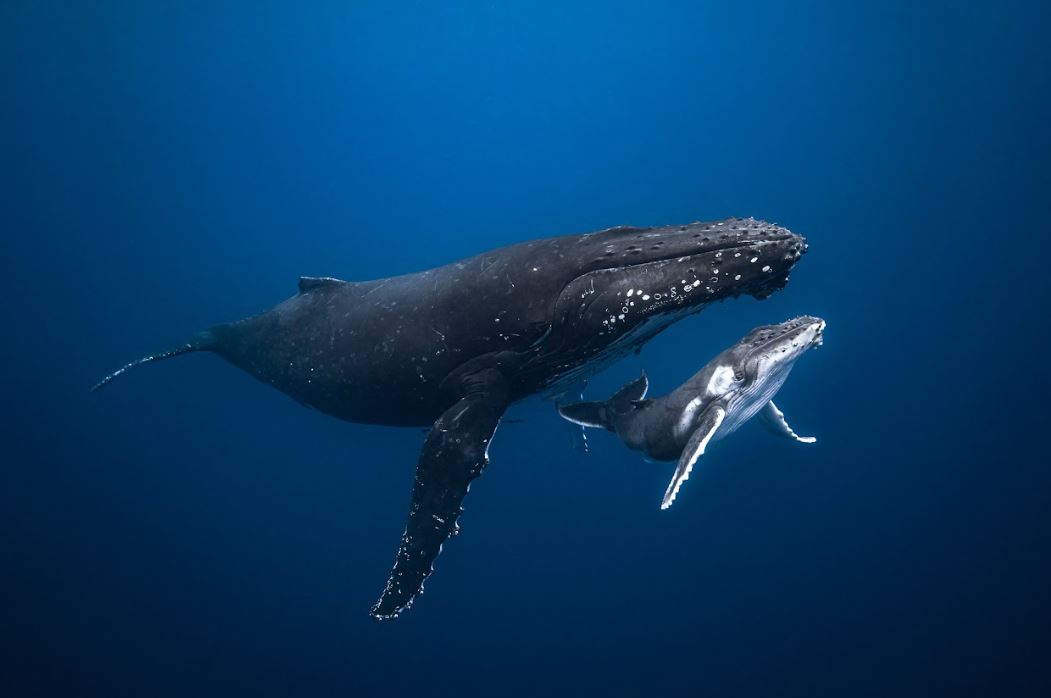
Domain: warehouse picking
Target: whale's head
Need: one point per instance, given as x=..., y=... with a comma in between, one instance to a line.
x=689, y=264
x=765, y=355
x=746, y=376
x=629, y=283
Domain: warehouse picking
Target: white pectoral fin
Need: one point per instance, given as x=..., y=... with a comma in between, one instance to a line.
x=774, y=420
x=695, y=447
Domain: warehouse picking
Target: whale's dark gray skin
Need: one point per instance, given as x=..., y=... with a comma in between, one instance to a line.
x=453, y=346
x=735, y=386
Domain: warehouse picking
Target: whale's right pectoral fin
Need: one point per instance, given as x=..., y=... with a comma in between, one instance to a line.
x=455, y=453
x=774, y=420
x=695, y=447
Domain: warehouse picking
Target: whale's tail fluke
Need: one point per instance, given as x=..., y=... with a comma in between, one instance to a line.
x=600, y=415
x=203, y=341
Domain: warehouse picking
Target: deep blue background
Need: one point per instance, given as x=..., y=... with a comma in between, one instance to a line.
x=168, y=166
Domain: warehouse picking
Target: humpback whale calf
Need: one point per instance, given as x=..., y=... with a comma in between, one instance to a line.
x=453, y=346
x=731, y=389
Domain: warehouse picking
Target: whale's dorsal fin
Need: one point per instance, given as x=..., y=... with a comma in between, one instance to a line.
x=312, y=283
x=633, y=392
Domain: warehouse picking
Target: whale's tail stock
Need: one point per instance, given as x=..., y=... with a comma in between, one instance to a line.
x=202, y=341
x=600, y=415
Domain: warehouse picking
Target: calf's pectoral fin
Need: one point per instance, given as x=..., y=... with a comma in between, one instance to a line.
x=774, y=420
x=702, y=435
x=455, y=452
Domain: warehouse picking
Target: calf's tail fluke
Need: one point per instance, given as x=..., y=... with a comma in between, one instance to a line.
x=203, y=341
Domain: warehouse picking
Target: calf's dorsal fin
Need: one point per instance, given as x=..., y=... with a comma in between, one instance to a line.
x=632, y=392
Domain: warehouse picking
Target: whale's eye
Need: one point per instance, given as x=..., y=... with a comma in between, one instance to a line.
x=739, y=376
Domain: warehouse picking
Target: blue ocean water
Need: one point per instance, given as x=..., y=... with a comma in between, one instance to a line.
x=191, y=532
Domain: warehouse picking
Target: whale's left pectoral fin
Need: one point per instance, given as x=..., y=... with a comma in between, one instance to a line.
x=774, y=420
x=456, y=452
x=695, y=447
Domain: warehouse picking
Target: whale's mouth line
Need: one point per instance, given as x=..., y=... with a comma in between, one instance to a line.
x=720, y=246
x=675, y=301
x=628, y=268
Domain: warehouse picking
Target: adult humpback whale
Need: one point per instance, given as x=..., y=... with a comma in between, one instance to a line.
x=455, y=345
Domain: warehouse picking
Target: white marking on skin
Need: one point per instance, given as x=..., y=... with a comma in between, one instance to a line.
x=766, y=268
x=737, y=277
x=645, y=297
x=579, y=422
x=631, y=291
x=721, y=381
x=751, y=261
x=682, y=427
x=488, y=443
